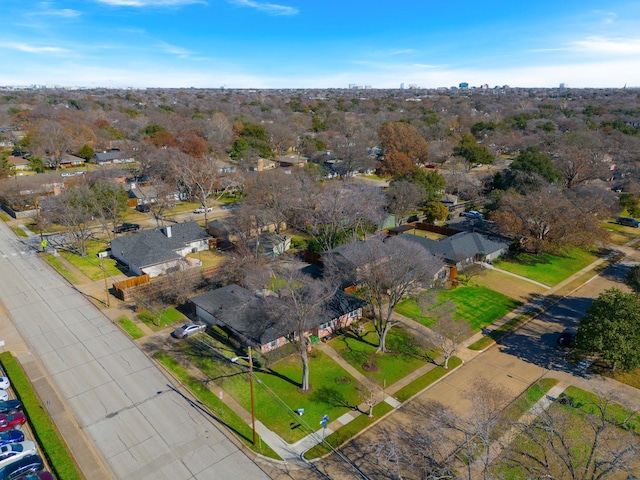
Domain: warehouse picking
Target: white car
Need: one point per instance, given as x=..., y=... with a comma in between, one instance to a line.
x=4, y=395
x=201, y=210
x=472, y=214
x=4, y=383
x=15, y=451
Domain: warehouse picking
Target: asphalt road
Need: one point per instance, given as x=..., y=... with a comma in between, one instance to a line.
x=142, y=425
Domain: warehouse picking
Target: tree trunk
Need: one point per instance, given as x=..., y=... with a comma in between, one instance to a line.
x=305, y=369
x=382, y=347
x=446, y=362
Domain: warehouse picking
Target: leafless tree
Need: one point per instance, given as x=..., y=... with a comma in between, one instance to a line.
x=385, y=273
x=404, y=197
x=586, y=441
x=300, y=302
x=447, y=333
x=545, y=220
x=74, y=208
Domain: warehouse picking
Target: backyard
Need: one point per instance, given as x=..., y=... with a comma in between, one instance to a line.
x=477, y=305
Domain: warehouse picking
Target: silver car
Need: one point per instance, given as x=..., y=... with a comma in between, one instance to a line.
x=188, y=329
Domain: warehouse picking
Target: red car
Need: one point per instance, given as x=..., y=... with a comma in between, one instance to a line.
x=11, y=421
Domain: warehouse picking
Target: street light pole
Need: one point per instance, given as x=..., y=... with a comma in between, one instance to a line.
x=253, y=402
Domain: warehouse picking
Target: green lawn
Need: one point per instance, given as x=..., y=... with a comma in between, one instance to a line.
x=62, y=270
x=334, y=392
x=218, y=408
x=163, y=319
x=546, y=268
x=130, y=327
x=90, y=264
x=477, y=305
x=403, y=358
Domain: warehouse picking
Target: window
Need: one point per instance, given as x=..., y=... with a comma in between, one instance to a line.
x=355, y=313
x=274, y=344
x=325, y=326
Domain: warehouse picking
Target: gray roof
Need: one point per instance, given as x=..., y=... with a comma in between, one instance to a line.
x=459, y=247
x=151, y=247
x=108, y=156
x=243, y=312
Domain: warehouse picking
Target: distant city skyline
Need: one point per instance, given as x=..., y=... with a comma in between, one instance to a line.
x=312, y=44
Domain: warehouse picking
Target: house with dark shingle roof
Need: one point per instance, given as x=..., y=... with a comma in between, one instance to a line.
x=112, y=157
x=462, y=248
x=241, y=313
x=162, y=249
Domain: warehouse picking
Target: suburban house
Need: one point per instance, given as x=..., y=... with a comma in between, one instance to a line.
x=269, y=244
x=18, y=164
x=114, y=156
x=262, y=164
x=241, y=313
x=292, y=160
x=66, y=160
x=162, y=249
x=462, y=248
x=229, y=232
x=139, y=195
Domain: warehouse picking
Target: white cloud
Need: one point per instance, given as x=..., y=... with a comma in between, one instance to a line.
x=149, y=3
x=270, y=8
x=44, y=8
x=174, y=50
x=23, y=47
x=609, y=46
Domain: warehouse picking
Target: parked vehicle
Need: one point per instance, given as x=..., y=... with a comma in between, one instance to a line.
x=16, y=451
x=12, y=436
x=126, y=227
x=4, y=382
x=143, y=207
x=11, y=421
x=21, y=467
x=4, y=395
x=44, y=475
x=567, y=340
x=201, y=209
x=628, y=222
x=188, y=329
x=10, y=406
x=472, y=214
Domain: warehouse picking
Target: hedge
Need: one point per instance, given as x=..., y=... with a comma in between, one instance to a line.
x=53, y=447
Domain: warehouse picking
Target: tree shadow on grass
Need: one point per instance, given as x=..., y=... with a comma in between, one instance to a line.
x=331, y=396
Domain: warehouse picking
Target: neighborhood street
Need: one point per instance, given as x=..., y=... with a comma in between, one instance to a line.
x=119, y=413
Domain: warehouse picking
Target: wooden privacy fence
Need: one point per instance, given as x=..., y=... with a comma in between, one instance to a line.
x=131, y=288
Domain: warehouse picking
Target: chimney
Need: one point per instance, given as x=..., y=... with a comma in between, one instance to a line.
x=167, y=231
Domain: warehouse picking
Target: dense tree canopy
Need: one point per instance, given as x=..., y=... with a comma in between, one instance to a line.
x=611, y=329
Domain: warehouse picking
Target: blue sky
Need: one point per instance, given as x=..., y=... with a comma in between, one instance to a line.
x=319, y=43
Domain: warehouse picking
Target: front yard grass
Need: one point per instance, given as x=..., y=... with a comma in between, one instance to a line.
x=130, y=327
x=220, y=410
x=61, y=269
x=404, y=356
x=422, y=382
x=546, y=268
x=277, y=395
x=479, y=306
x=90, y=264
x=348, y=431
x=158, y=321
